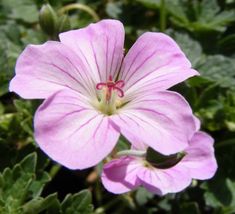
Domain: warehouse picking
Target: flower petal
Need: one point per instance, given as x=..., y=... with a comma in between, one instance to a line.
x=100, y=45
x=44, y=69
x=162, y=120
x=165, y=181
x=197, y=123
x=71, y=132
x=200, y=158
x=120, y=175
x=155, y=62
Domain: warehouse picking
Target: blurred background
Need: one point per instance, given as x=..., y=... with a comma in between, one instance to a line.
x=204, y=29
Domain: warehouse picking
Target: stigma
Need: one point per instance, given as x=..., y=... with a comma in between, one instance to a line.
x=109, y=96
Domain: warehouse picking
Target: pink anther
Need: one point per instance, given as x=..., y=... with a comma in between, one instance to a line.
x=112, y=86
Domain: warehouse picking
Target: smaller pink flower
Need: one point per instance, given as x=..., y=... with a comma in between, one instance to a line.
x=129, y=172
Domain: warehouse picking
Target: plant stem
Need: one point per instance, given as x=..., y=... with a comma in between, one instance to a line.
x=54, y=170
x=127, y=198
x=108, y=205
x=162, y=16
x=137, y=153
x=78, y=6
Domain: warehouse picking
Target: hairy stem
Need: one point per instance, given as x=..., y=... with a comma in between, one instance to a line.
x=137, y=153
x=78, y=6
x=162, y=16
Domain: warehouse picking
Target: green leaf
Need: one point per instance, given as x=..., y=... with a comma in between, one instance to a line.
x=19, y=184
x=150, y=3
x=123, y=144
x=189, y=207
x=228, y=43
x=28, y=164
x=39, y=204
x=220, y=193
x=9, y=52
x=113, y=9
x=218, y=69
x=195, y=16
x=190, y=47
x=78, y=203
x=24, y=10
x=37, y=186
x=143, y=196
x=15, y=183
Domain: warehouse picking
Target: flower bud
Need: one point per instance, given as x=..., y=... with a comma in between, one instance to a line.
x=48, y=20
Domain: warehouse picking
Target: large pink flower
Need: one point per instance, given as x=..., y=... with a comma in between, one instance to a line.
x=93, y=94
x=129, y=172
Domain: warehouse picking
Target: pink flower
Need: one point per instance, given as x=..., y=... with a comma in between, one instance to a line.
x=129, y=172
x=93, y=94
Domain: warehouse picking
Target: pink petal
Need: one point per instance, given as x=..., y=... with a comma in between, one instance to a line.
x=155, y=62
x=100, y=46
x=120, y=175
x=162, y=120
x=44, y=69
x=71, y=132
x=197, y=123
x=200, y=158
x=163, y=181
x=139, y=145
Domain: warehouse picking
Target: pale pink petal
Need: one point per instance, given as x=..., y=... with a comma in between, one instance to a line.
x=155, y=62
x=120, y=175
x=163, y=181
x=71, y=132
x=197, y=123
x=162, y=120
x=139, y=145
x=44, y=69
x=200, y=157
x=100, y=45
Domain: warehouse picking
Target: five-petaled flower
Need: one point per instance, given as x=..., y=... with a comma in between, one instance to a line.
x=129, y=172
x=93, y=93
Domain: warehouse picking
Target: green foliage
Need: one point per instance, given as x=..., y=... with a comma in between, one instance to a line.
x=143, y=196
x=22, y=10
x=191, y=47
x=221, y=199
x=191, y=207
x=200, y=16
x=78, y=203
x=219, y=69
x=195, y=16
x=21, y=187
x=17, y=28
x=20, y=184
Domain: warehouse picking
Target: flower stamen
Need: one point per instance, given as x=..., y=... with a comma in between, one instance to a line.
x=108, y=98
x=111, y=86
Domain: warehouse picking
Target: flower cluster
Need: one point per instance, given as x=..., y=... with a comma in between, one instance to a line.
x=93, y=94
